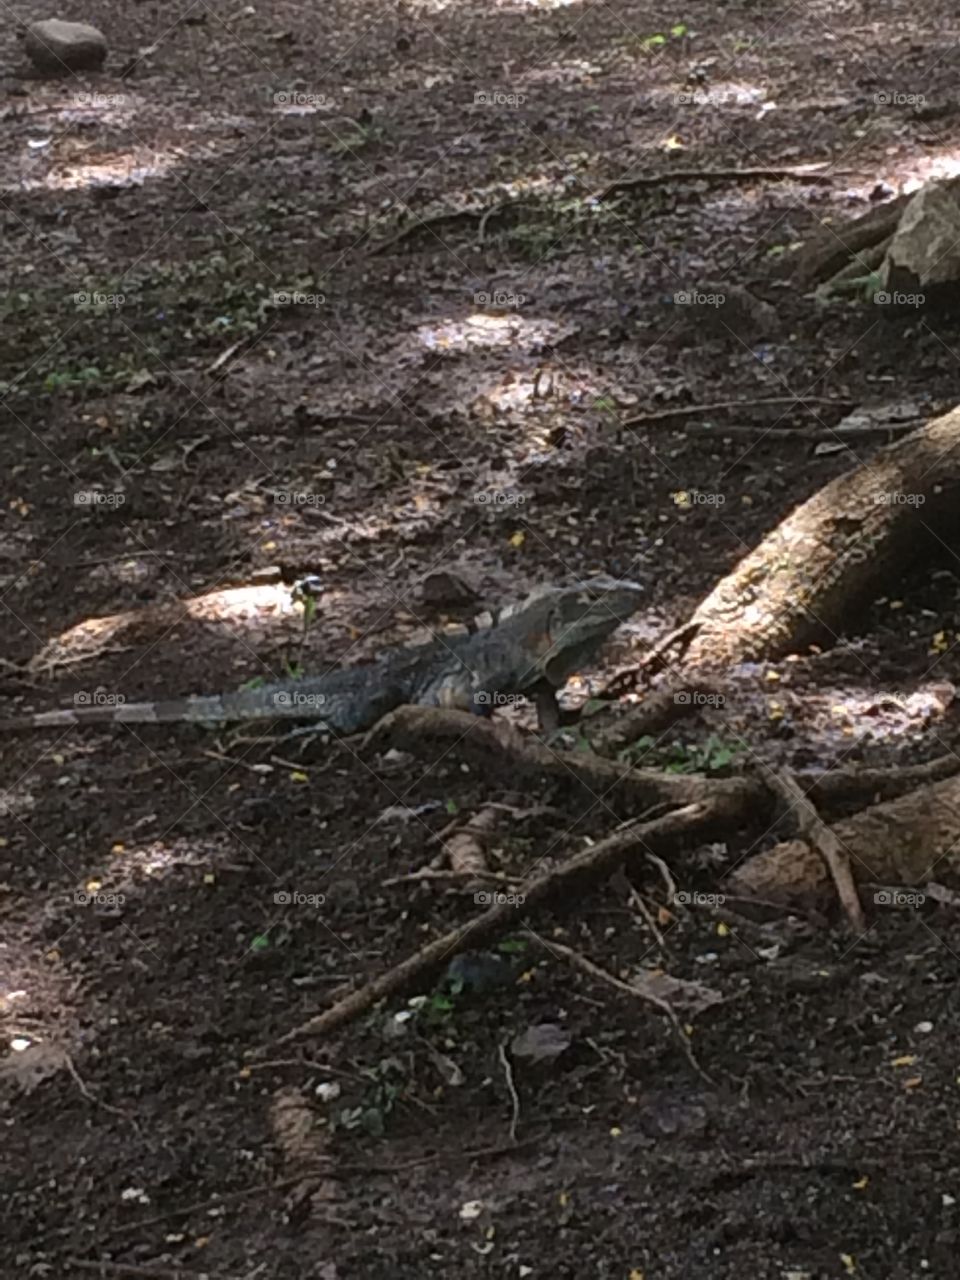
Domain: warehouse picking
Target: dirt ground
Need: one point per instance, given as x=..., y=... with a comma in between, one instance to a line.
x=362, y=255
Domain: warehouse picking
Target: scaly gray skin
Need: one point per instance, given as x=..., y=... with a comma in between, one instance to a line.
x=534, y=648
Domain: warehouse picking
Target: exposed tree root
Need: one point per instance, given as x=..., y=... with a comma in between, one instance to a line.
x=700, y=808
x=835, y=553
x=666, y=834
x=822, y=839
x=902, y=842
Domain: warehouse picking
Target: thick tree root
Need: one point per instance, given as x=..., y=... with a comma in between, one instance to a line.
x=901, y=842
x=663, y=835
x=844, y=546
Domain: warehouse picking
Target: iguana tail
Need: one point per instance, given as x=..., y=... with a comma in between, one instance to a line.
x=266, y=703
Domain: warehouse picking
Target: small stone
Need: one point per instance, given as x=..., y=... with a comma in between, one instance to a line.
x=58, y=46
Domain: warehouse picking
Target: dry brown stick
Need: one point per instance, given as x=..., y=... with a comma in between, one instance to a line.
x=466, y=850
x=636, y=987
x=796, y=174
x=722, y=406
x=667, y=833
x=654, y=660
x=512, y=1089
x=812, y=827
x=657, y=713
x=863, y=787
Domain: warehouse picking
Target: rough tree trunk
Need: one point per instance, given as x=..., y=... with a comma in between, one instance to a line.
x=844, y=546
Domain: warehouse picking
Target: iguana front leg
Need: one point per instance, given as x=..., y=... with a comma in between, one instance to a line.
x=548, y=709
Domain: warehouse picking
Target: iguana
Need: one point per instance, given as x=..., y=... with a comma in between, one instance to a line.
x=532, y=651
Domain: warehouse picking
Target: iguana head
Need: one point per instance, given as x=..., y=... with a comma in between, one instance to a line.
x=577, y=619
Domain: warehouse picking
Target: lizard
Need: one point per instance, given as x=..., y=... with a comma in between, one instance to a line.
x=532, y=651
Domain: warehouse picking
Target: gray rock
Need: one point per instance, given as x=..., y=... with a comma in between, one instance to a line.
x=58, y=46
x=925, y=249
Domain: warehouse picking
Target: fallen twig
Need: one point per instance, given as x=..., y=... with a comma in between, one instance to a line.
x=669, y=832
x=642, y=985
x=512, y=1088
x=811, y=826
x=733, y=406
x=794, y=174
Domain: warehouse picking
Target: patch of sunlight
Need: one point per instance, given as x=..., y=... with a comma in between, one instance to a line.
x=122, y=171
x=545, y=388
x=911, y=176
x=533, y=4
x=724, y=94
x=575, y=72
x=88, y=639
x=240, y=602
x=438, y=6
x=485, y=330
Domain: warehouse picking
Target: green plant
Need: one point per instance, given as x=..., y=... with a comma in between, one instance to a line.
x=386, y=1084
x=711, y=756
